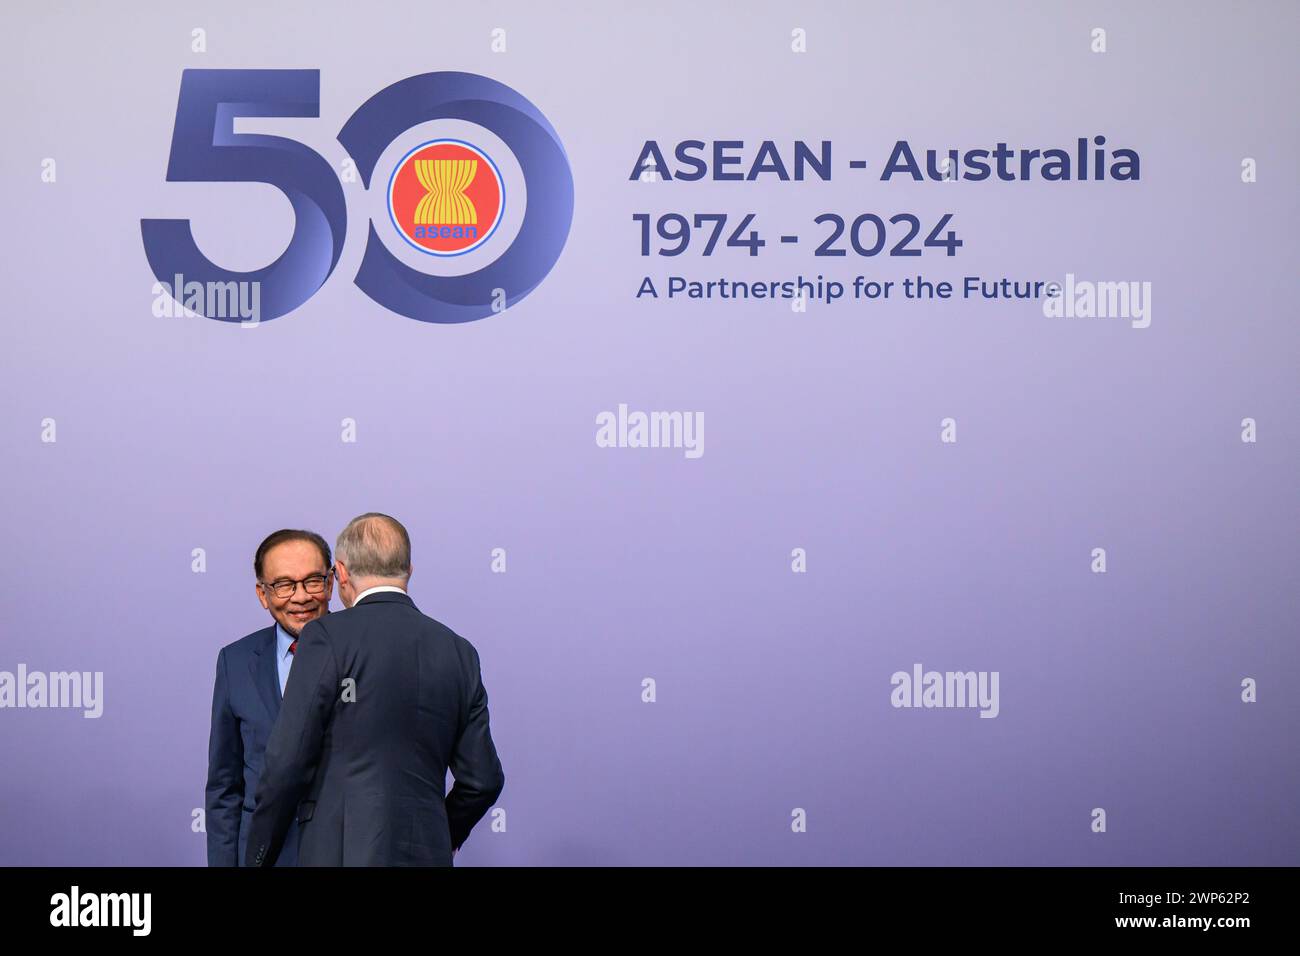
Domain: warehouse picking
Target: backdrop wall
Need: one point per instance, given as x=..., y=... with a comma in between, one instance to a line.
x=772, y=687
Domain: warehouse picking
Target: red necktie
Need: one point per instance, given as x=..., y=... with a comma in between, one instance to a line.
x=293, y=648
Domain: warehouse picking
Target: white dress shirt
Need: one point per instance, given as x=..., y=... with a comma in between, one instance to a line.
x=376, y=590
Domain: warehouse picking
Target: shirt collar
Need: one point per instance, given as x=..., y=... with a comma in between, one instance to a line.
x=282, y=640
x=375, y=590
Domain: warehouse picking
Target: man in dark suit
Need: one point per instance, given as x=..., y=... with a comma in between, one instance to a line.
x=383, y=700
x=294, y=581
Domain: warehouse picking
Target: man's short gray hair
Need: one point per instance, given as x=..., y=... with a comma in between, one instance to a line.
x=375, y=545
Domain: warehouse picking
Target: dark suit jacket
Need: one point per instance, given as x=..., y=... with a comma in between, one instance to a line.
x=245, y=702
x=380, y=702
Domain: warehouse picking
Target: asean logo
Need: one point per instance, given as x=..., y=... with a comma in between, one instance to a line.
x=446, y=197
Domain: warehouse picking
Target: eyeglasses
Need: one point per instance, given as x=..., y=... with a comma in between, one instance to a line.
x=312, y=584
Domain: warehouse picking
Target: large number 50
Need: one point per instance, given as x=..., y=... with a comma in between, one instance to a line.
x=206, y=148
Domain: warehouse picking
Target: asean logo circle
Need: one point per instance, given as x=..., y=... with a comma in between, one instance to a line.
x=526, y=134
x=446, y=197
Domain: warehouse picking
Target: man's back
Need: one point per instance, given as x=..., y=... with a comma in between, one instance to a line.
x=384, y=699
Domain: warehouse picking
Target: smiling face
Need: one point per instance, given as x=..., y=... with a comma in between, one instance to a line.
x=294, y=561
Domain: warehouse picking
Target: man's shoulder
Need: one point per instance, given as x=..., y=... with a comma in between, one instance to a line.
x=462, y=646
x=434, y=624
x=249, y=644
x=440, y=630
x=412, y=617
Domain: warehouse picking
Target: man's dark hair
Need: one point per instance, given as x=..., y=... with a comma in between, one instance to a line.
x=289, y=534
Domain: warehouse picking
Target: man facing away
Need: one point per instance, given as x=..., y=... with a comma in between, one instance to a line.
x=293, y=582
x=383, y=700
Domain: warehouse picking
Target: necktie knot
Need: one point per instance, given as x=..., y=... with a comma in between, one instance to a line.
x=293, y=648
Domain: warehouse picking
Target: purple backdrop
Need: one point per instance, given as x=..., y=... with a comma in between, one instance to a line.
x=1119, y=690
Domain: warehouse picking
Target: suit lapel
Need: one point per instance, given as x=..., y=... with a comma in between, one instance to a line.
x=265, y=674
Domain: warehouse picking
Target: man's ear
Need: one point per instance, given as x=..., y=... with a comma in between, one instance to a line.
x=261, y=597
